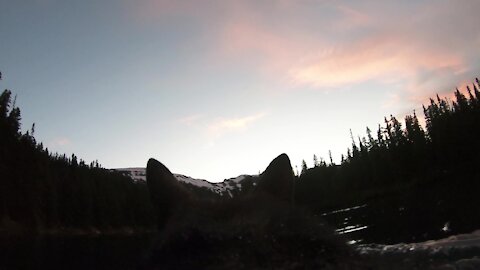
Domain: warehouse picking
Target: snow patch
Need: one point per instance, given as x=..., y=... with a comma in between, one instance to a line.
x=137, y=174
x=221, y=188
x=453, y=242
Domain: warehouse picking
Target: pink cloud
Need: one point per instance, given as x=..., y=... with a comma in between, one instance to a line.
x=352, y=18
x=324, y=45
x=382, y=58
x=214, y=128
x=221, y=126
x=190, y=120
x=271, y=51
x=428, y=53
x=444, y=92
x=390, y=48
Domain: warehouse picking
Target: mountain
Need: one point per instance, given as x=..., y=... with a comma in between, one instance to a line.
x=229, y=187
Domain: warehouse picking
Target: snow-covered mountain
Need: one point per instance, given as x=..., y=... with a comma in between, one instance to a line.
x=227, y=187
x=137, y=174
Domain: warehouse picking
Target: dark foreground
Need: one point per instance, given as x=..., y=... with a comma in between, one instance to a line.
x=119, y=252
x=129, y=252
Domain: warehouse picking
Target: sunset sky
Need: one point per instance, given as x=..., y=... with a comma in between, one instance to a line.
x=214, y=89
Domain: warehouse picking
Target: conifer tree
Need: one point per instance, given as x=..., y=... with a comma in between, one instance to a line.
x=330, y=156
x=315, y=161
x=304, y=167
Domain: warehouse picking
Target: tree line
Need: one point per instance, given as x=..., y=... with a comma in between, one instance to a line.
x=41, y=191
x=430, y=167
x=400, y=154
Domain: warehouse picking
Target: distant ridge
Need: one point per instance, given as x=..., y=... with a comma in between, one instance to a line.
x=228, y=187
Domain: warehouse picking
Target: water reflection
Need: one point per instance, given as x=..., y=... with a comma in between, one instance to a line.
x=350, y=229
x=342, y=220
x=344, y=210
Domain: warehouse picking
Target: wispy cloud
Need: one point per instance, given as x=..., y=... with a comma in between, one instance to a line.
x=334, y=44
x=222, y=126
x=190, y=120
x=351, y=18
x=215, y=128
x=383, y=58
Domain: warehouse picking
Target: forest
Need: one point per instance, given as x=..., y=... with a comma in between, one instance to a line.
x=414, y=177
x=42, y=191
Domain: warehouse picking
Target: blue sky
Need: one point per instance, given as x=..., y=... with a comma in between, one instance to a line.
x=214, y=89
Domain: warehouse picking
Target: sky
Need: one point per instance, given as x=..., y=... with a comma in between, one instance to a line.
x=215, y=89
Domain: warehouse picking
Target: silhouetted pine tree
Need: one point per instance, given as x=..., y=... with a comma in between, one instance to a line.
x=304, y=167
x=440, y=159
x=40, y=190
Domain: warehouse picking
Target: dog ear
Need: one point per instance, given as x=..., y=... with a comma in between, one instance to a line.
x=278, y=179
x=166, y=193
